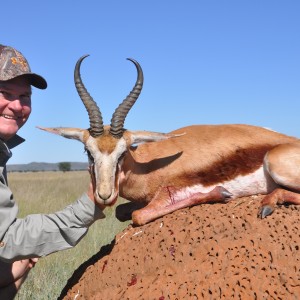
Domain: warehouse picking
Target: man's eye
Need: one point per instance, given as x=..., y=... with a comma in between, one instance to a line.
x=26, y=99
x=4, y=94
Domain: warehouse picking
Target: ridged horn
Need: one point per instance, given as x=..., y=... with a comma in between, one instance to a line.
x=95, y=116
x=119, y=116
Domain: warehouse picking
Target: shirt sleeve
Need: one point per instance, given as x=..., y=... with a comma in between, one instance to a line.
x=38, y=235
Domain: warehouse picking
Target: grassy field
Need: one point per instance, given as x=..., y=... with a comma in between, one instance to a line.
x=45, y=192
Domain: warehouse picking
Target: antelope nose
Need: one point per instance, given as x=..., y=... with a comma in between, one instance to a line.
x=104, y=196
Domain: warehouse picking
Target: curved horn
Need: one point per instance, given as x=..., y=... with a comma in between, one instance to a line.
x=118, y=118
x=96, y=122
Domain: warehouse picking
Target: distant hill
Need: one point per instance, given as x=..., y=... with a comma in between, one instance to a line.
x=41, y=166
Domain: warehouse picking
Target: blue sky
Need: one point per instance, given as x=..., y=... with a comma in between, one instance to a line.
x=204, y=62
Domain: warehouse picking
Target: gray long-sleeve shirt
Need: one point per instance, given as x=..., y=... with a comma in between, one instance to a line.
x=38, y=235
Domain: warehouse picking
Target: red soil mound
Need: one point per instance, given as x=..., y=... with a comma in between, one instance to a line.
x=219, y=251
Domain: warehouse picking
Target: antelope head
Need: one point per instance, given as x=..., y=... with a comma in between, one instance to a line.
x=107, y=145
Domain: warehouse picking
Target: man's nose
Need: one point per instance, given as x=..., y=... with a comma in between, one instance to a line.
x=16, y=104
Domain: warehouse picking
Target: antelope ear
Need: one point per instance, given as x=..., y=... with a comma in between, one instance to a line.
x=69, y=133
x=140, y=137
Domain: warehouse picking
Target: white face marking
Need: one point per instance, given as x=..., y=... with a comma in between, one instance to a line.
x=105, y=168
x=258, y=182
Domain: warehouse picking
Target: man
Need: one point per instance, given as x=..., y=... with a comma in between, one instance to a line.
x=22, y=241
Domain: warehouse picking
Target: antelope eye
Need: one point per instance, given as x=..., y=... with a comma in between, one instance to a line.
x=122, y=155
x=90, y=157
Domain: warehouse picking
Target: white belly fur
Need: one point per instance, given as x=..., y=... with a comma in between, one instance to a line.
x=258, y=182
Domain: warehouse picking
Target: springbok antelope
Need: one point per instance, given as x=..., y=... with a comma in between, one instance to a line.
x=192, y=165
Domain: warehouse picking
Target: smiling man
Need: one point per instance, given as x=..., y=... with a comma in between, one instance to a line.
x=23, y=241
x=16, y=79
x=15, y=101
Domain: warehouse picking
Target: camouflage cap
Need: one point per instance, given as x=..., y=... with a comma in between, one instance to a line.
x=14, y=64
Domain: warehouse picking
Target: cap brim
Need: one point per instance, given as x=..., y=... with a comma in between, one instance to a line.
x=36, y=80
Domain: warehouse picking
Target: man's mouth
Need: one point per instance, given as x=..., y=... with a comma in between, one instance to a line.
x=9, y=117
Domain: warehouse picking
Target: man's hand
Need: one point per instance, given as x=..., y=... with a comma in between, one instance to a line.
x=13, y=275
x=21, y=268
x=12, y=272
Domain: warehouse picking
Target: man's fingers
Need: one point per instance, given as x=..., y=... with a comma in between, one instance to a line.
x=32, y=262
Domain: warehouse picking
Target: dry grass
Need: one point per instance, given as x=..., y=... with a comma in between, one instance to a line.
x=46, y=192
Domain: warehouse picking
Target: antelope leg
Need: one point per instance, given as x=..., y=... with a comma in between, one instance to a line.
x=164, y=203
x=278, y=196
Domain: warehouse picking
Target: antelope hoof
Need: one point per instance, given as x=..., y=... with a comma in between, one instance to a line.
x=265, y=211
x=124, y=211
x=225, y=194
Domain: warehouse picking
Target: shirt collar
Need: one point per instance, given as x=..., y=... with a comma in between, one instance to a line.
x=5, y=153
x=14, y=141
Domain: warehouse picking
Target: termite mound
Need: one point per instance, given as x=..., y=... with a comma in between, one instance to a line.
x=217, y=251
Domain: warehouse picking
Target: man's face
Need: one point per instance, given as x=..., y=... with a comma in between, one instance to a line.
x=15, y=105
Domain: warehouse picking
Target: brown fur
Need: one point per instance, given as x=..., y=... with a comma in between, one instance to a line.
x=206, y=154
x=240, y=162
x=106, y=143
